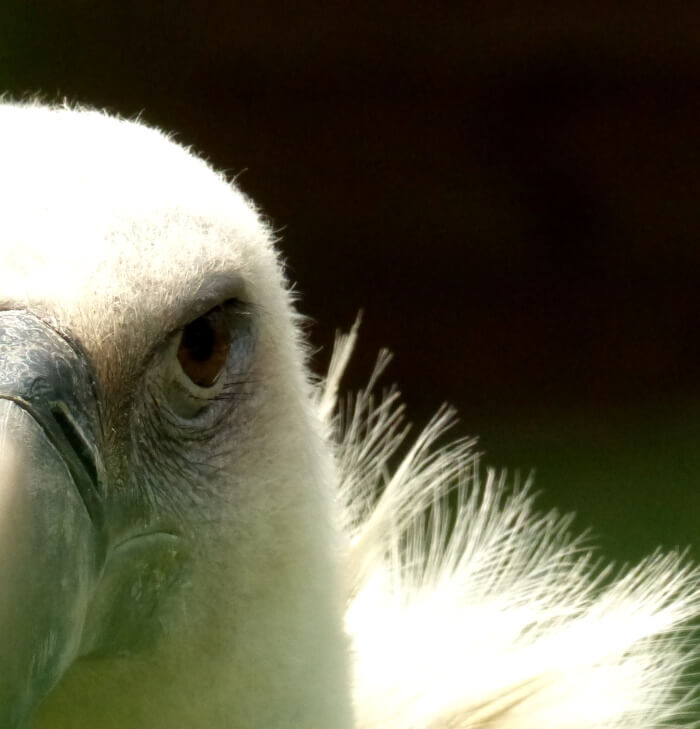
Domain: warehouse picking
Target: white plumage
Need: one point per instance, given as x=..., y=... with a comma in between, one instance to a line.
x=499, y=618
x=299, y=599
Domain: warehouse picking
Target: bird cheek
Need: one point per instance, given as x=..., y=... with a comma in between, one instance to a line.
x=128, y=609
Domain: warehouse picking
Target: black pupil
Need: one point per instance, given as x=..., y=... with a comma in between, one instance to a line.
x=199, y=339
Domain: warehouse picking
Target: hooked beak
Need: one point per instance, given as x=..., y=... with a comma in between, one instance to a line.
x=52, y=537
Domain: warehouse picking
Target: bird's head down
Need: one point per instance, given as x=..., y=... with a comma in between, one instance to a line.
x=168, y=542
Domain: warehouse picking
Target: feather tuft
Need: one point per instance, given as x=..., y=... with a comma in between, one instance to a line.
x=468, y=608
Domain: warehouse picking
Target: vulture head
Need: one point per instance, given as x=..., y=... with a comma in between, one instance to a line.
x=185, y=540
x=168, y=540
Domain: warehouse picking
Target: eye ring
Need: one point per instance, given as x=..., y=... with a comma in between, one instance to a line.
x=204, y=348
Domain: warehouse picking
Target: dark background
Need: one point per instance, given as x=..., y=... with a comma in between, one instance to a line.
x=508, y=189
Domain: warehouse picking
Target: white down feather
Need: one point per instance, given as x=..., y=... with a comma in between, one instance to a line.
x=470, y=609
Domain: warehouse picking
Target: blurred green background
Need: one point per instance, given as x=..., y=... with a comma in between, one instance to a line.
x=508, y=189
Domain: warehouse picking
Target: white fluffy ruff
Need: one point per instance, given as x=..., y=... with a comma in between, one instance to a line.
x=469, y=609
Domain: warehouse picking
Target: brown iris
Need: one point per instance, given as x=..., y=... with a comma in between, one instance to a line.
x=204, y=347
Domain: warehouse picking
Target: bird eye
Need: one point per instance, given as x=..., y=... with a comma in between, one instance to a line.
x=204, y=347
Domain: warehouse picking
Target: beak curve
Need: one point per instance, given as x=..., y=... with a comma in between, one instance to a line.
x=52, y=537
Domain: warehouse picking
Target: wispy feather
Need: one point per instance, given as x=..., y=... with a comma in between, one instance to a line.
x=469, y=608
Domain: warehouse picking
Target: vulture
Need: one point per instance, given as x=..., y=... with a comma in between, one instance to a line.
x=197, y=534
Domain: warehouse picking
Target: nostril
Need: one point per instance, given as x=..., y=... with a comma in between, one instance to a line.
x=76, y=441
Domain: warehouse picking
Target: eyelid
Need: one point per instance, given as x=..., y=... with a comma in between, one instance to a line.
x=217, y=290
x=231, y=305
